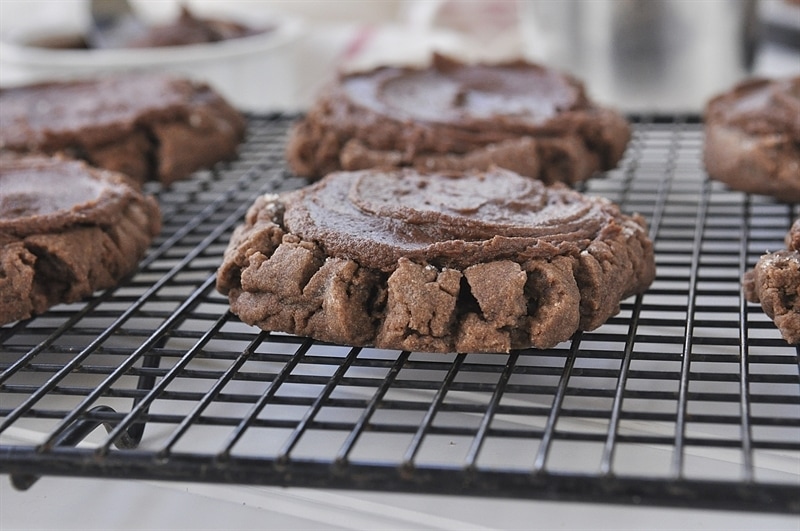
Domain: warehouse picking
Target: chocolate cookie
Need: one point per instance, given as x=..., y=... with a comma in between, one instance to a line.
x=752, y=138
x=478, y=261
x=454, y=116
x=147, y=126
x=775, y=283
x=61, y=242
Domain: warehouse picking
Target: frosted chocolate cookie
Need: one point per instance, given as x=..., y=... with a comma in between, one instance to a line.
x=775, y=284
x=66, y=230
x=520, y=116
x=752, y=138
x=147, y=126
x=478, y=261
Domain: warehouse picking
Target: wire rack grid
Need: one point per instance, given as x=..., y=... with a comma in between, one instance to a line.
x=688, y=397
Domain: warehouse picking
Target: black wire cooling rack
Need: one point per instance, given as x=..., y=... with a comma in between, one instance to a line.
x=688, y=397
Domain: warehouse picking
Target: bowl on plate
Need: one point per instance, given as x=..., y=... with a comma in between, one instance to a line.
x=256, y=73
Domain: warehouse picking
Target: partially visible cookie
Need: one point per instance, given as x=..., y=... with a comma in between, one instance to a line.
x=66, y=230
x=520, y=116
x=149, y=126
x=476, y=261
x=774, y=282
x=752, y=138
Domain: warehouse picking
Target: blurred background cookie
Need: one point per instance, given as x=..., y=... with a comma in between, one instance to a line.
x=752, y=137
x=149, y=126
x=451, y=115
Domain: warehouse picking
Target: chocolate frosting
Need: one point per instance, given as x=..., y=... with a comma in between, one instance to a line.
x=760, y=106
x=451, y=220
x=455, y=93
x=35, y=198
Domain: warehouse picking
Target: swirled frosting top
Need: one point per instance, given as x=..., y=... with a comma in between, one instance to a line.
x=451, y=92
x=452, y=220
x=38, y=194
x=760, y=106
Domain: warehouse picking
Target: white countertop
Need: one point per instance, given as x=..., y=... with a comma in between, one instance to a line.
x=88, y=504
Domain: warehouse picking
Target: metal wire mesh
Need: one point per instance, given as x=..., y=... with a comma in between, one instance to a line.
x=688, y=397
